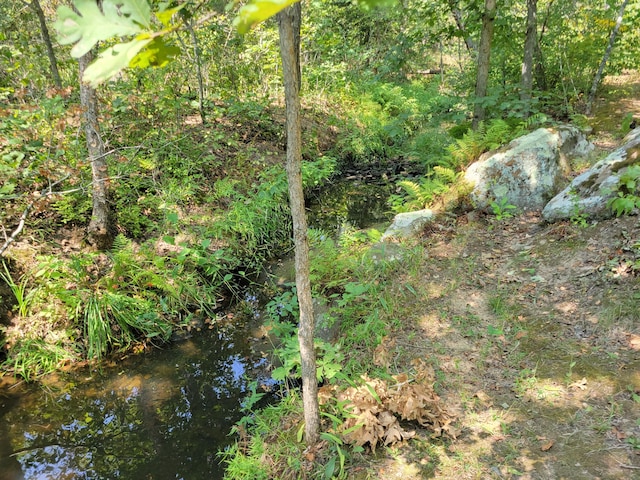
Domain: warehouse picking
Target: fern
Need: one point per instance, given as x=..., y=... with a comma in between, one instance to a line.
x=449, y=175
x=120, y=243
x=489, y=136
x=414, y=191
x=469, y=147
x=498, y=133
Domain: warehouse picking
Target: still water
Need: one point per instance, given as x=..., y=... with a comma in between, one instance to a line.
x=161, y=415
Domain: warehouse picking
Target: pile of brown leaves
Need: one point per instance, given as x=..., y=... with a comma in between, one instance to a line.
x=376, y=406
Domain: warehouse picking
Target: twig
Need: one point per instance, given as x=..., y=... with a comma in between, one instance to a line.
x=629, y=467
x=23, y=218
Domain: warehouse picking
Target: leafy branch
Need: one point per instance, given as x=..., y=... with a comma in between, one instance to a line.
x=117, y=18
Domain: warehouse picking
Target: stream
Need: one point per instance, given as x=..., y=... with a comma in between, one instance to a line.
x=163, y=414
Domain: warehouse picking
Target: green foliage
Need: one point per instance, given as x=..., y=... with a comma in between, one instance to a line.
x=21, y=292
x=31, y=357
x=127, y=294
x=578, y=216
x=328, y=359
x=395, y=119
x=36, y=151
x=627, y=192
x=257, y=11
x=490, y=136
x=420, y=195
x=502, y=209
x=122, y=18
x=116, y=19
x=282, y=310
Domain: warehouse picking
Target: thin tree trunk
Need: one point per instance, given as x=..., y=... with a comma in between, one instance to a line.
x=457, y=16
x=484, y=59
x=98, y=232
x=605, y=58
x=46, y=38
x=289, y=24
x=196, y=54
x=531, y=39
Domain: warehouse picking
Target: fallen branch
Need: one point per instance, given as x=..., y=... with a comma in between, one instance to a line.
x=23, y=218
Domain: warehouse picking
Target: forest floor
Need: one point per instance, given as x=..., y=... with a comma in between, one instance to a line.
x=533, y=331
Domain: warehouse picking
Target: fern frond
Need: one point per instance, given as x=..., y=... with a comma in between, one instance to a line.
x=411, y=188
x=497, y=134
x=120, y=243
x=535, y=120
x=449, y=175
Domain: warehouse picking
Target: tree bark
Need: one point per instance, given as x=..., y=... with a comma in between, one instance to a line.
x=484, y=59
x=605, y=58
x=289, y=27
x=198, y=60
x=98, y=232
x=46, y=38
x=457, y=16
x=531, y=39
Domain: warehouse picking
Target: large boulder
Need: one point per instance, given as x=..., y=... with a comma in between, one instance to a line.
x=590, y=191
x=529, y=171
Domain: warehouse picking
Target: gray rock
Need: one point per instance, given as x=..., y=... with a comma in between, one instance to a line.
x=407, y=224
x=528, y=171
x=590, y=191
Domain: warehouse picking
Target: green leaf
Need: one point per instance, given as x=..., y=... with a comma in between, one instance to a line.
x=157, y=54
x=172, y=217
x=300, y=433
x=491, y=330
x=7, y=188
x=166, y=15
x=329, y=437
x=90, y=25
x=138, y=10
x=280, y=374
x=330, y=467
x=112, y=60
x=258, y=11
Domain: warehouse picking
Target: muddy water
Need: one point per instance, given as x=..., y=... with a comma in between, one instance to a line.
x=161, y=415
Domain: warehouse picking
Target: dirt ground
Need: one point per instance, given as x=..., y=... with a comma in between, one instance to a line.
x=533, y=331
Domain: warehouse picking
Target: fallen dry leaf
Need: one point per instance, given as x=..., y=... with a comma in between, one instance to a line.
x=545, y=447
x=581, y=384
x=634, y=342
x=484, y=398
x=620, y=435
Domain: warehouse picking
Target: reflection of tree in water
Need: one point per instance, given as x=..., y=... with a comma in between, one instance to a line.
x=163, y=415
x=95, y=438
x=358, y=204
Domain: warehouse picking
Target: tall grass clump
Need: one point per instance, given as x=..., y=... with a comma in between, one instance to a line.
x=125, y=295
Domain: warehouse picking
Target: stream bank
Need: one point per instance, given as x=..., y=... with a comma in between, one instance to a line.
x=164, y=413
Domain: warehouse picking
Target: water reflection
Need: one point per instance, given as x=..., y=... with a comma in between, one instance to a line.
x=162, y=415
x=351, y=205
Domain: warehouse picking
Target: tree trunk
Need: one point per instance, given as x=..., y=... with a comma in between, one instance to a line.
x=98, y=232
x=198, y=60
x=457, y=16
x=55, y=75
x=531, y=39
x=484, y=58
x=605, y=58
x=289, y=25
